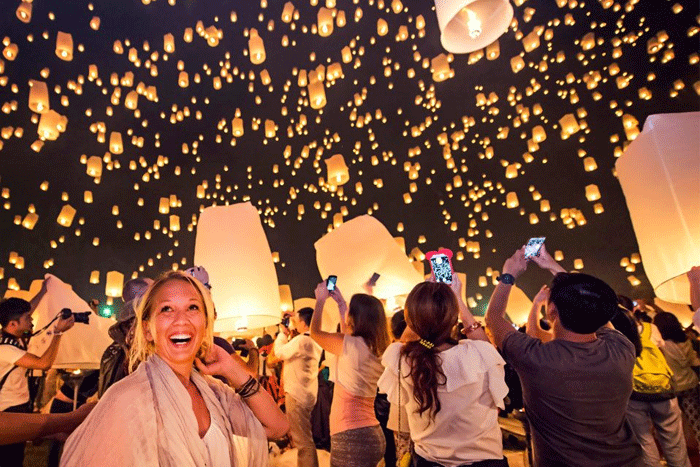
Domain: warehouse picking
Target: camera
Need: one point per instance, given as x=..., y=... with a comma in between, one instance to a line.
x=285, y=321
x=83, y=317
x=239, y=345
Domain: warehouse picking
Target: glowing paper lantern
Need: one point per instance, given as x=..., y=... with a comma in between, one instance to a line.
x=114, y=284
x=666, y=219
x=24, y=12
x=286, y=302
x=94, y=166
x=38, y=96
x=10, y=52
x=338, y=173
x=518, y=307
x=64, y=46
x=359, y=248
x=469, y=25
x=51, y=125
x=325, y=22
x=115, y=143
x=592, y=193
x=512, y=200
x=239, y=262
x=256, y=48
x=81, y=347
x=30, y=220
x=440, y=67
x=169, y=43
x=317, y=95
x=237, y=127
x=65, y=217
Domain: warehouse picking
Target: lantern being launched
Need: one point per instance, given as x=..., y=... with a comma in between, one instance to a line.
x=241, y=271
x=359, y=248
x=660, y=177
x=469, y=25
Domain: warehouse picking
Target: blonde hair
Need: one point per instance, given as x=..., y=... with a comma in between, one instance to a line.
x=141, y=348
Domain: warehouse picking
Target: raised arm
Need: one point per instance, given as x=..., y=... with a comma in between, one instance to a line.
x=533, y=320
x=472, y=329
x=44, y=362
x=495, y=314
x=330, y=341
x=261, y=403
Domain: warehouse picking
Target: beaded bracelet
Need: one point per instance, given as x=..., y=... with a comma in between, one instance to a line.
x=249, y=388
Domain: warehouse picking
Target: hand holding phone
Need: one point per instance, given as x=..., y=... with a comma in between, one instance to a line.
x=533, y=247
x=441, y=265
x=330, y=283
x=373, y=280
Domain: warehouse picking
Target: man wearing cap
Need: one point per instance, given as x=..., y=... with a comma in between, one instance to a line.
x=114, y=364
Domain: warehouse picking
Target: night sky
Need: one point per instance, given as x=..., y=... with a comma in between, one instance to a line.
x=384, y=112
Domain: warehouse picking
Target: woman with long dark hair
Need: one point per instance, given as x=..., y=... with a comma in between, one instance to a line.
x=357, y=439
x=681, y=357
x=451, y=390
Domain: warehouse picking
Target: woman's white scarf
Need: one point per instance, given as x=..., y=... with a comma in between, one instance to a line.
x=147, y=420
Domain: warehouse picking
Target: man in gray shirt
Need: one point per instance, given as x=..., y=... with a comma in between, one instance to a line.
x=576, y=387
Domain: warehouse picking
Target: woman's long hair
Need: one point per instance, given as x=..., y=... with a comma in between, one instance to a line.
x=669, y=327
x=141, y=348
x=431, y=312
x=367, y=320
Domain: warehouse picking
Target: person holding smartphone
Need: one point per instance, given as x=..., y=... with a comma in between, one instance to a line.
x=451, y=390
x=356, y=437
x=575, y=387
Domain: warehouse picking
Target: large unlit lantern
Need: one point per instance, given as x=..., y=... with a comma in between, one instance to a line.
x=359, y=248
x=82, y=346
x=660, y=177
x=338, y=173
x=469, y=25
x=241, y=271
x=518, y=306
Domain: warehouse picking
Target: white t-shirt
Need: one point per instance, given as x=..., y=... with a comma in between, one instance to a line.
x=358, y=369
x=301, y=357
x=15, y=391
x=466, y=428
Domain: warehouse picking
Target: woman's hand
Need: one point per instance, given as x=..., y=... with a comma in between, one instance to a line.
x=456, y=286
x=340, y=300
x=218, y=362
x=321, y=293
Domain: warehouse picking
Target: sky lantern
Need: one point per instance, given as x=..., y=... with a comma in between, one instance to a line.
x=10, y=51
x=183, y=79
x=241, y=271
x=512, y=200
x=114, y=284
x=30, y=220
x=256, y=48
x=65, y=217
x=38, y=97
x=324, y=20
x=288, y=12
x=51, y=125
x=286, y=302
x=338, y=173
x=174, y=223
x=382, y=27
x=237, y=127
x=64, y=46
x=359, y=248
x=469, y=25
x=83, y=346
x=666, y=220
x=317, y=95
x=94, y=166
x=132, y=100
x=592, y=192
x=518, y=307
x=115, y=143
x=24, y=12
x=440, y=67
x=493, y=50
x=169, y=43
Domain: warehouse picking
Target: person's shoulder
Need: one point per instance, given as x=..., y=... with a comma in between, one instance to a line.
x=128, y=390
x=10, y=353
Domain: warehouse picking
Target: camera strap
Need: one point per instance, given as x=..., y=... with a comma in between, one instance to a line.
x=14, y=342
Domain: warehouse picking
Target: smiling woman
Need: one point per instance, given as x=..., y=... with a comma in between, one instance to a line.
x=167, y=413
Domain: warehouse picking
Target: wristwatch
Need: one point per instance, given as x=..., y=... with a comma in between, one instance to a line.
x=506, y=278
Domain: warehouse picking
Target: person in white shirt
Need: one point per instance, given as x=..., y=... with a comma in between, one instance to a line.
x=301, y=356
x=15, y=361
x=451, y=390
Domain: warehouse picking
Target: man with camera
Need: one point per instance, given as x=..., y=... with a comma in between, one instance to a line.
x=301, y=356
x=16, y=362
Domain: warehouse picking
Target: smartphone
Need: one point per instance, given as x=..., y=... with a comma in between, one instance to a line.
x=330, y=283
x=373, y=280
x=441, y=266
x=533, y=247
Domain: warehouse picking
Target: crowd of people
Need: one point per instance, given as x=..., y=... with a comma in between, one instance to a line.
x=602, y=382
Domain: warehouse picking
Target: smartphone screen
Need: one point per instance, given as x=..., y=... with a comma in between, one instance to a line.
x=533, y=246
x=442, y=269
x=330, y=283
x=373, y=279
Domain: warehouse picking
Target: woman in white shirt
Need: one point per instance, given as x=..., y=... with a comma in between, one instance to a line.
x=357, y=439
x=451, y=390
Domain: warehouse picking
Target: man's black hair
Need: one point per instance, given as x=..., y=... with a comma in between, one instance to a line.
x=11, y=309
x=398, y=324
x=584, y=303
x=305, y=314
